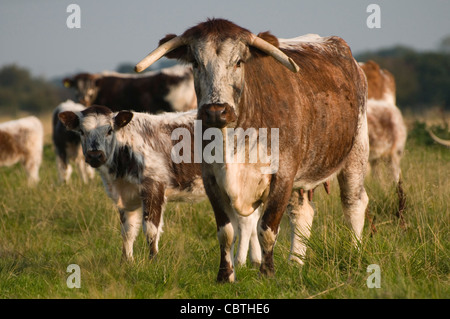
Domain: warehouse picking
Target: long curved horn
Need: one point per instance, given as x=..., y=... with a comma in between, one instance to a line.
x=159, y=52
x=273, y=51
x=439, y=140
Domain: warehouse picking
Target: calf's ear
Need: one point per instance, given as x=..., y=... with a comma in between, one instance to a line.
x=70, y=120
x=122, y=118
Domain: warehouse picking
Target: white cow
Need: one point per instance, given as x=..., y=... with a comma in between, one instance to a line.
x=22, y=141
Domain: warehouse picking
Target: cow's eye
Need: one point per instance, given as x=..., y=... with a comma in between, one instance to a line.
x=239, y=63
x=110, y=131
x=81, y=133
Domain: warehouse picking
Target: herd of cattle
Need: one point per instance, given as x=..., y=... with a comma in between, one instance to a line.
x=335, y=117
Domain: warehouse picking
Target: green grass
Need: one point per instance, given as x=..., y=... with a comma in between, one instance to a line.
x=46, y=228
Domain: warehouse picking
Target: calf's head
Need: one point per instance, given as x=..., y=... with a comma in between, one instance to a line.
x=86, y=87
x=218, y=51
x=97, y=126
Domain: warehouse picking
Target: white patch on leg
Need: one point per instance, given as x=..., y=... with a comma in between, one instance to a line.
x=153, y=233
x=225, y=234
x=355, y=216
x=248, y=239
x=267, y=238
x=255, y=247
x=300, y=218
x=130, y=229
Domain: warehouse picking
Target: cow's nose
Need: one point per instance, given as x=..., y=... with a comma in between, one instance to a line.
x=214, y=112
x=216, y=115
x=95, y=158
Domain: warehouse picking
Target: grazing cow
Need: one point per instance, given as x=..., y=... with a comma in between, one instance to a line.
x=132, y=152
x=317, y=107
x=68, y=146
x=170, y=89
x=22, y=141
x=387, y=130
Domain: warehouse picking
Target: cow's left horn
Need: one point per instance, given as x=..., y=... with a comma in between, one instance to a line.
x=159, y=52
x=273, y=51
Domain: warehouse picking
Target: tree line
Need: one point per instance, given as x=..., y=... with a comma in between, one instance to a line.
x=422, y=78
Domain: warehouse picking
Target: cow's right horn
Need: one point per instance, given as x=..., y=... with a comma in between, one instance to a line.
x=159, y=52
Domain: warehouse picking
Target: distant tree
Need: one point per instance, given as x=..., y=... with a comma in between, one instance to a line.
x=125, y=68
x=444, y=46
x=422, y=78
x=20, y=92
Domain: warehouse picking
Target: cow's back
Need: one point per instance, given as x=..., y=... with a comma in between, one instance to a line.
x=318, y=110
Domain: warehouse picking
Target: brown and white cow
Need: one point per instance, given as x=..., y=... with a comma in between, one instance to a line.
x=133, y=153
x=68, y=145
x=387, y=130
x=169, y=89
x=309, y=88
x=22, y=141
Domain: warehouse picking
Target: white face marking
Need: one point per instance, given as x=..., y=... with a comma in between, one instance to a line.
x=96, y=133
x=218, y=72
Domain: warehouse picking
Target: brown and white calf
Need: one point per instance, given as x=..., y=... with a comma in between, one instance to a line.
x=309, y=88
x=22, y=141
x=68, y=145
x=169, y=89
x=132, y=152
x=387, y=130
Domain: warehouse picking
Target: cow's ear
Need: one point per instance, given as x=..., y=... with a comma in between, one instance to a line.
x=122, y=118
x=70, y=120
x=67, y=82
x=180, y=53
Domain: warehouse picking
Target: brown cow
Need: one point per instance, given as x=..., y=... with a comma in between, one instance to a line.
x=242, y=81
x=169, y=89
x=387, y=130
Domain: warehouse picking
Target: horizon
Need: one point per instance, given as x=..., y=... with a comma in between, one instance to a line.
x=36, y=36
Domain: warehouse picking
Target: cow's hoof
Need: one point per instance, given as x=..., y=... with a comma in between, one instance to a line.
x=225, y=275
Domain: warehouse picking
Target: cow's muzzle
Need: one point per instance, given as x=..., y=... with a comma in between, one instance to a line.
x=95, y=158
x=216, y=115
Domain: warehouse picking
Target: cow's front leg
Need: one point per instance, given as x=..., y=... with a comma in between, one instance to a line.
x=130, y=223
x=226, y=232
x=270, y=221
x=153, y=203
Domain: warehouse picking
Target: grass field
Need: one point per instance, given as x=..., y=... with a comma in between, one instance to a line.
x=45, y=229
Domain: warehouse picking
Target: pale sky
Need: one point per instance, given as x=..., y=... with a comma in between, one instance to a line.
x=34, y=34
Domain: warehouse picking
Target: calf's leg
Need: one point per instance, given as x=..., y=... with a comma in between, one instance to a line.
x=130, y=225
x=153, y=205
